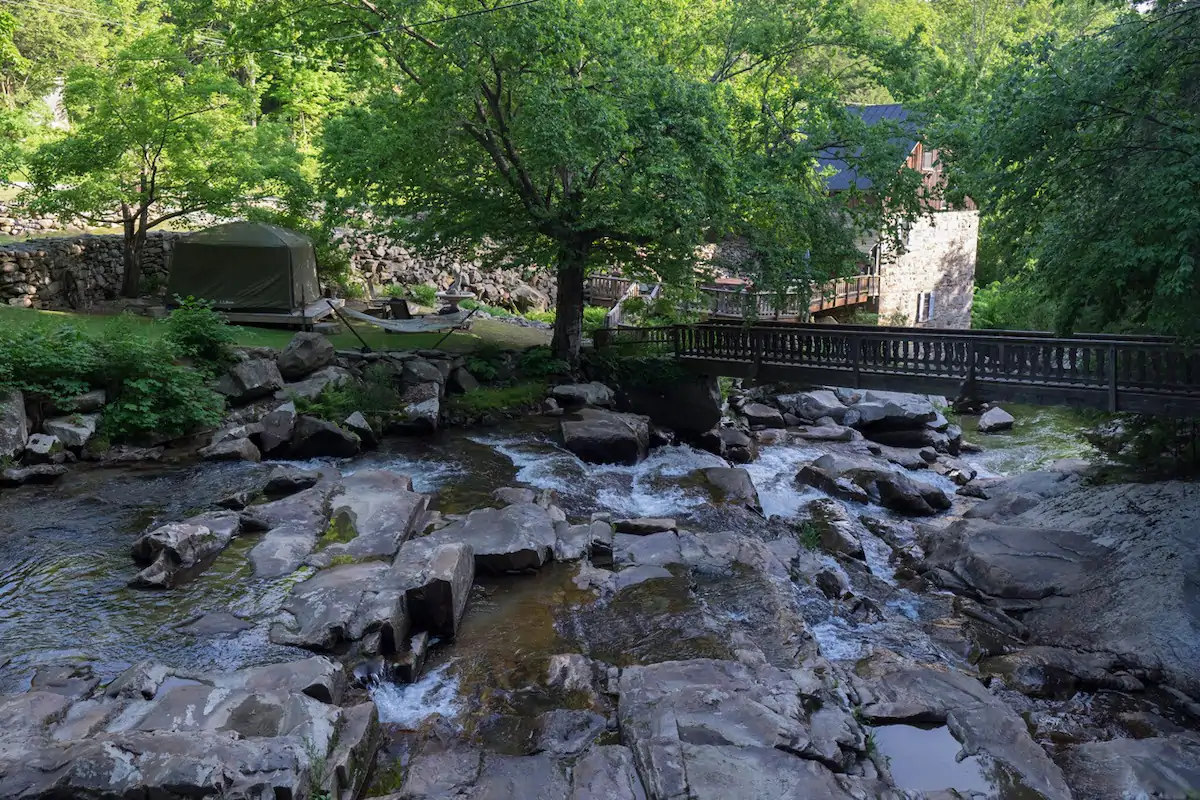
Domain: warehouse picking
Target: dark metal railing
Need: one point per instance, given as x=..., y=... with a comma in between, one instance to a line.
x=1148, y=374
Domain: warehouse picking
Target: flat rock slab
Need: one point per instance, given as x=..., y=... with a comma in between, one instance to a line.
x=643, y=526
x=1160, y=767
x=981, y=722
x=341, y=605
x=246, y=735
x=515, y=538
x=372, y=513
x=723, y=729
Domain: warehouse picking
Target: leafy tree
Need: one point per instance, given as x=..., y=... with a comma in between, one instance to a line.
x=154, y=137
x=585, y=134
x=1088, y=153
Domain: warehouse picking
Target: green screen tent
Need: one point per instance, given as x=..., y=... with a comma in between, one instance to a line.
x=246, y=266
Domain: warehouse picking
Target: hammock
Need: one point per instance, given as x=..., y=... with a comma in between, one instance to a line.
x=427, y=324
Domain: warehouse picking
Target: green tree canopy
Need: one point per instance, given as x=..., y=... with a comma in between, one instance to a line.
x=1088, y=154
x=584, y=134
x=153, y=137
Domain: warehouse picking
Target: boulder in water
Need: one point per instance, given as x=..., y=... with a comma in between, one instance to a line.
x=180, y=550
x=515, y=538
x=607, y=437
x=894, y=411
x=436, y=580
x=761, y=415
x=732, y=485
x=643, y=526
x=372, y=512
x=839, y=533
x=690, y=406
x=996, y=420
x=231, y=450
x=43, y=448
x=342, y=605
x=1165, y=766
x=860, y=480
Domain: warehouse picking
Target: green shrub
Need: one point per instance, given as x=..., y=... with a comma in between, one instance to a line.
x=497, y=399
x=495, y=311
x=151, y=394
x=540, y=316
x=539, y=363
x=50, y=361
x=201, y=334
x=593, y=318
x=395, y=290
x=424, y=294
x=375, y=396
x=351, y=290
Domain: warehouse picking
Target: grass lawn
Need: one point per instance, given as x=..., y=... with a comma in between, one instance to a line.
x=483, y=332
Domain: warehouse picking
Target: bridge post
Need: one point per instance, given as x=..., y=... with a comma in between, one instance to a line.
x=677, y=340
x=855, y=345
x=1112, y=378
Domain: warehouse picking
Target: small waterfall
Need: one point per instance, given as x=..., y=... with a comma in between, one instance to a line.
x=408, y=705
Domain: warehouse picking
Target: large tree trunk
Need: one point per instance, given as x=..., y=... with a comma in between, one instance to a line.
x=568, y=312
x=131, y=252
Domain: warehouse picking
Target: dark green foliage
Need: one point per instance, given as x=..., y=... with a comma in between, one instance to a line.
x=200, y=334
x=593, y=318
x=540, y=364
x=424, y=294
x=1087, y=158
x=640, y=367
x=376, y=396
x=149, y=393
x=1149, y=447
x=49, y=361
x=1013, y=304
x=497, y=400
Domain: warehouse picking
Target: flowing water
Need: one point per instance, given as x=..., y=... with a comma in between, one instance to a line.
x=65, y=563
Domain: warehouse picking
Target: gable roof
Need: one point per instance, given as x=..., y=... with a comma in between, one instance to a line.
x=846, y=176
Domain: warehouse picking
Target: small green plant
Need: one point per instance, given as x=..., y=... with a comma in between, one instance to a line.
x=861, y=317
x=541, y=316
x=495, y=311
x=341, y=560
x=424, y=294
x=351, y=290
x=594, y=318
x=375, y=396
x=201, y=334
x=809, y=535
x=395, y=290
x=539, y=363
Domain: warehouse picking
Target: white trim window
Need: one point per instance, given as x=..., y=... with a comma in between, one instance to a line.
x=925, y=307
x=928, y=160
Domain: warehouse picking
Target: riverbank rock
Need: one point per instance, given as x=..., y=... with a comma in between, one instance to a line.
x=315, y=384
x=422, y=408
x=74, y=431
x=278, y=428
x=179, y=551
x=1156, y=767
x=44, y=449
x=306, y=353
x=342, y=605
x=372, y=513
x=893, y=410
x=436, y=580
x=250, y=379
x=292, y=524
x=316, y=438
x=607, y=437
x=14, y=427
x=1106, y=566
x=995, y=420
x=36, y=474
x=722, y=729
x=577, y=395
x=231, y=450
x=285, y=480
x=84, y=403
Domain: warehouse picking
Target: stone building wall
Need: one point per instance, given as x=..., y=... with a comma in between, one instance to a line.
x=75, y=272
x=939, y=261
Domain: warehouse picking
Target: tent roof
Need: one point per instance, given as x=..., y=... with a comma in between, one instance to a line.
x=248, y=234
x=846, y=176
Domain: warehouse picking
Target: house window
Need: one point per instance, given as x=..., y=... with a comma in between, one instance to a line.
x=928, y=157
x=925, y=307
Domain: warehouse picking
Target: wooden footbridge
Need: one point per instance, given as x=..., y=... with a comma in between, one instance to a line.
x=1150, y=375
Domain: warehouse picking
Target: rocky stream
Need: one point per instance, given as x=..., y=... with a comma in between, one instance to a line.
x=482, y=614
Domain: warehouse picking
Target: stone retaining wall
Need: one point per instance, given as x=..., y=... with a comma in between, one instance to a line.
x=75, y=272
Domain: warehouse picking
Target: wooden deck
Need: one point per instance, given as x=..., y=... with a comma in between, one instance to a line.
x=314, y=312
x=1150, y=375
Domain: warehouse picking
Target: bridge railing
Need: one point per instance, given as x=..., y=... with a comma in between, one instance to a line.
x=1102, y=372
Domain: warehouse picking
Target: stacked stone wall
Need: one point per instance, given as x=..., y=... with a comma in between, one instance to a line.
x=939, y=260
